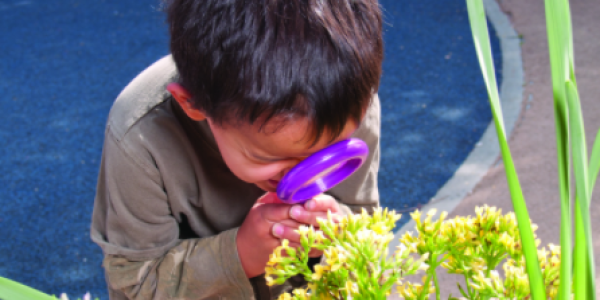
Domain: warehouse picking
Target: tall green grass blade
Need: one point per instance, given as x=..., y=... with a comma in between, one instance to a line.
x=593, y=175
x=11, y=290
x=580, y=254
x=558, y=49
x=482, y=46
x=564, y=175
x=568, y=38
x=595, y=162
x=580, y=166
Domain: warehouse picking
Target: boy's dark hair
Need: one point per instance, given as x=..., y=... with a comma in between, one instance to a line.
x=252, y=60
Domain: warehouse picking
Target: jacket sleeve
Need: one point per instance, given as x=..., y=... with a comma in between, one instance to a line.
x=144, y=256
x=360, y=189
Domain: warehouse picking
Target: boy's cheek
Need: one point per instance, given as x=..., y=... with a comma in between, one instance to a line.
x=256, y=175
x=265, y=172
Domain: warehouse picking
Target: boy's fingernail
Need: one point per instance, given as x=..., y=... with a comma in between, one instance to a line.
x=310, y=205
x=278, y=230
x=295, y=212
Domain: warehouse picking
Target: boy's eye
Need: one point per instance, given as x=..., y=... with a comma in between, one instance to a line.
x=269, y=160
x=261, y=159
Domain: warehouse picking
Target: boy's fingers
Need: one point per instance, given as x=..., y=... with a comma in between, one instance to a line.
x=284, y=232
x=275, y=212
x=291, y=223
x=294, y=245
x=322, y=202
x=315, y=253
x=301, y=215
x=315, y=209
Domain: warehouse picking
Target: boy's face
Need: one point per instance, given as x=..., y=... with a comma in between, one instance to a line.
x=263, y=157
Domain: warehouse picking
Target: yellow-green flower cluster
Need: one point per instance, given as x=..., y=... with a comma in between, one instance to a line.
x=414, y=291
x=87, y=296
x=355, y=262
x=474, y=247
x=550, y=265
x=429, y=239
x=430, y=243
x=356, y=265
x=516, y=282
x=283, y=263
x=498, y=233
x=480, y=243
x=297, y=294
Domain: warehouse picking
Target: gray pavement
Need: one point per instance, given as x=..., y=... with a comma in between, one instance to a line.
x=528, y=103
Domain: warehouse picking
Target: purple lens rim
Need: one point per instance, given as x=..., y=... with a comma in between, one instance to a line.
x=322, y=170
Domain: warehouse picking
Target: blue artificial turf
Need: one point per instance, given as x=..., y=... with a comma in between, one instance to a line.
x=434, y=102
x=64, y=61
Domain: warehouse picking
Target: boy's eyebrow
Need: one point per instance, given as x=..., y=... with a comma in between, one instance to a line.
x=269, y=159
x=263, y=158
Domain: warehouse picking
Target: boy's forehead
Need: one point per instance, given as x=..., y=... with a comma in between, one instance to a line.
x=292, y=129
x=296, y=124
x=297, y=132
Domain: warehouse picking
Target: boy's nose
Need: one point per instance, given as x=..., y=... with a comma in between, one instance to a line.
x=283, y=172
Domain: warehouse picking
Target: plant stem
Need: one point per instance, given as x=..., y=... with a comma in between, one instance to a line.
x=579, y=268
x=425, y=286
x=566, y=260
x=431, y=274
x=468, y=285
x=437, y=286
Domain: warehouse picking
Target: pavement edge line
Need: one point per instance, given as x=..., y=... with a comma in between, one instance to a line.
x=486, y=151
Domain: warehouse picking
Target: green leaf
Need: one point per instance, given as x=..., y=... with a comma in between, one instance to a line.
x=580, y=256
x=12, y=290
x=559, y=49
x=594, y=162
x=483, y=49
x=570, y=132
x=584, y=257
x=460, y=289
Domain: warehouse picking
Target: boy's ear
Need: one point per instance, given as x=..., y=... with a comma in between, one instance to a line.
x=183, y=97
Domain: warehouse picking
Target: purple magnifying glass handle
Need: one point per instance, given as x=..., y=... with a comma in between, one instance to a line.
x=322, y=170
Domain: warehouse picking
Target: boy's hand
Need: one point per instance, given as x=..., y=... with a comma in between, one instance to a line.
x=267, y=223
x=315, y=209
x=270, y=221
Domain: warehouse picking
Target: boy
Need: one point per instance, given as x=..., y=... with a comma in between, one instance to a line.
x=196, y=144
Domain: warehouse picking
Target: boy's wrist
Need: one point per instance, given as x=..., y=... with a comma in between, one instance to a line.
x=251, y=267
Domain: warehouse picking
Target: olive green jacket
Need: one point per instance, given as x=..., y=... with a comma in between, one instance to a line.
x=167, y=208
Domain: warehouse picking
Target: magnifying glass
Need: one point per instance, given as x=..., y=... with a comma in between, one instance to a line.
x=322, y=170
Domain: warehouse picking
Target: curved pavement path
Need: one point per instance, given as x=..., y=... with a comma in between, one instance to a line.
x=533, y=141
